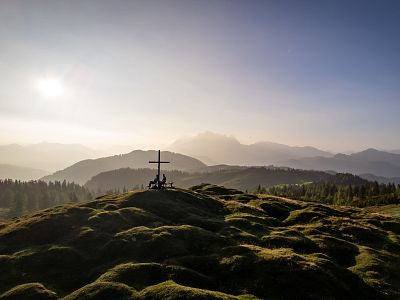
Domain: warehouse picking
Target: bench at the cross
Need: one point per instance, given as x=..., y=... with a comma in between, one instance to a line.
x=171, y=184
x=163, y=185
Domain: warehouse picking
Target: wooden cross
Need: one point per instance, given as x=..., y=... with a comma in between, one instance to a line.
x=158, y=162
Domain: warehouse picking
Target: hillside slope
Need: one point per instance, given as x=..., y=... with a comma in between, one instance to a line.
x=378, y=156
x=239, y=178
x=86, y=169
x=381, y=179
x=345, y=164
x=181, y=244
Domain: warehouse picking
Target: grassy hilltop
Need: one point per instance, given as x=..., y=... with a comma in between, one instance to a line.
x=197, y=244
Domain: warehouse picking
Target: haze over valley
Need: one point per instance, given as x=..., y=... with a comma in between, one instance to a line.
x=201, y=153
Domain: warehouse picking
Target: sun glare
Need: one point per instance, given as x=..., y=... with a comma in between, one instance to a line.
x=50, y=87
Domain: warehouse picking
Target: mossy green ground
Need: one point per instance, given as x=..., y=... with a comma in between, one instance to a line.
x=196, y=244
x=391, y=210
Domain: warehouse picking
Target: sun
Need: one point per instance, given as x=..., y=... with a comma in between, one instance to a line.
x=50, y=87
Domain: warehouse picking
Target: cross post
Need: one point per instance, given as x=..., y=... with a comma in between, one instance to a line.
x=158, y=162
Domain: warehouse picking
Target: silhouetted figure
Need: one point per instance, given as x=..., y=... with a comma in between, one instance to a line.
x=154, y=182
x=163, y=181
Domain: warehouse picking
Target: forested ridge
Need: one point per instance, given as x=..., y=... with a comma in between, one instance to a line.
x=20, y=197
x=247, y=178
x=340, y=189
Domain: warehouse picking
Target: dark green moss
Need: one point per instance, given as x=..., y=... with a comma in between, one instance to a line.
x=103, y=291
x=141, y=275
x=182, y=244
x=29, y=291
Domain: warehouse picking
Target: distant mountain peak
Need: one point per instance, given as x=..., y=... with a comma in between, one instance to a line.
x=371, y=161
x=370, y=150
x=46, y=155
x=340, y=155
x=224, y=149
x=209, y=136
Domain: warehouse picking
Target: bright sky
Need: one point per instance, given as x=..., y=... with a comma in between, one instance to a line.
x=321, y=73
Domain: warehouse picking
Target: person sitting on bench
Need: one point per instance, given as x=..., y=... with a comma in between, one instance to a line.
x=154, y=182
x=163, y=181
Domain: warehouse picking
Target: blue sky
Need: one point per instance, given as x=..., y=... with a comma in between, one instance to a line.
x=321, y=73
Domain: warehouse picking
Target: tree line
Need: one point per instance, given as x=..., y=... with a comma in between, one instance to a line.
x=342, y=189
x=20, y=197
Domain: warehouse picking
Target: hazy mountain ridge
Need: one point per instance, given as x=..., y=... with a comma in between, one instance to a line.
x=374, y=155
x=46, y=156
x=396, y=151
x=84, y=170
x=20, y=173
x=211, y=147
x=228, y=150
x=368, y=161
x=381, y=179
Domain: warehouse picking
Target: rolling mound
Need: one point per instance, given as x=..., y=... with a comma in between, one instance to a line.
x=198, y=244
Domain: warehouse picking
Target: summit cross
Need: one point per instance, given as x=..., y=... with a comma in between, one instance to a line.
x=158, y=162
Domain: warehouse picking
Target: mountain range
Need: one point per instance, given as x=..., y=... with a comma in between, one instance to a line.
x=220, y=152
x=374, y=155
x=138, y=159
x=370, y=161
x=381, y=179
x=213, y=148
x=396, y=151
x=20, y=173
x=46, y=156
x=223, y=149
